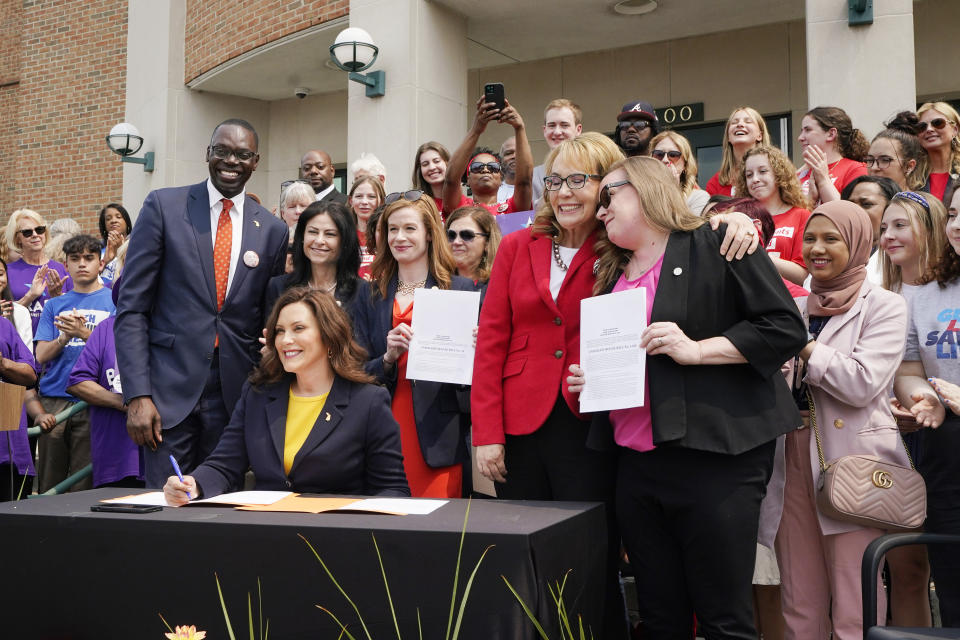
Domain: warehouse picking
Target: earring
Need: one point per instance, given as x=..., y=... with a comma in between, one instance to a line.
x=329, y=352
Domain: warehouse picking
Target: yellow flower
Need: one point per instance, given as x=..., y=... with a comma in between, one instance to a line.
x=187, y=633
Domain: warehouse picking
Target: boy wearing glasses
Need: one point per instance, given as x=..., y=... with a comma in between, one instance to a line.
x=65, y=324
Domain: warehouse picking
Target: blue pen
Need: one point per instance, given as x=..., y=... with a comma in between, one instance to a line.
x=176, y=468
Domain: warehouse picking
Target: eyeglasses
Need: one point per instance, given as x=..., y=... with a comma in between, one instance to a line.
x=936, y=123
x=660, y=153
x=574, y=181
x=223, y=153
x=639, y=125
x=287, y=183
x=478, y=167
x=882, y=162
x=605, y=192
x=413, y=195
x=467, y=235
x=36, y=230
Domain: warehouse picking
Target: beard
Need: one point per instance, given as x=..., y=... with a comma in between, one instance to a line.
x=637, y=144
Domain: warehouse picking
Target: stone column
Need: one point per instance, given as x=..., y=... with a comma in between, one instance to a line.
x=423, y=50
x=866, y=70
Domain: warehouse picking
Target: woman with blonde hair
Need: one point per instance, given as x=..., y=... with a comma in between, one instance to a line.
x=474, y=236
x=433, y=425
x=911, y=234
x=34, y=278
x=673, y=150
x=768, y=175
x=940, y=138
x=693, y=462
x=745, y=129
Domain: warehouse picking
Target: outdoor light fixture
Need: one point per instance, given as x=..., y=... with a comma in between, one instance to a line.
x=354, y=51
x=635, y=7
x=124, y=140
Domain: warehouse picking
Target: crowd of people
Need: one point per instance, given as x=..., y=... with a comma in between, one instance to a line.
x=794, y=316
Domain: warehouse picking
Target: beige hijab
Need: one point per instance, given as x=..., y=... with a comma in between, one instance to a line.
x=835, y=296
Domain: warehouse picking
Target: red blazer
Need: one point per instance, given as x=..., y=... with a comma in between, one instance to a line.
x=526, y=341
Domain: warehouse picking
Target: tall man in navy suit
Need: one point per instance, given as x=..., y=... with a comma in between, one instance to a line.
x=190, y=305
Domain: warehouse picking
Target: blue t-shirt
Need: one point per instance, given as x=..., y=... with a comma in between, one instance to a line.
x=96, y=307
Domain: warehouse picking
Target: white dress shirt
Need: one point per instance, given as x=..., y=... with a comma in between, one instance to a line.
x=323, y=194
x=236, y=220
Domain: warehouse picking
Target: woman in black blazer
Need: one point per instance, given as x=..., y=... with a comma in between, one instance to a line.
x=326, y=257
x=434, y=417
x=694, y=462
x=308, y=420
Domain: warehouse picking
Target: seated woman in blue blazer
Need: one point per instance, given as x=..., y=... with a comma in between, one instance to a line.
x=307, y=420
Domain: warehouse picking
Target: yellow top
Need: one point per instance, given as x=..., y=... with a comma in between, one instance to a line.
x=302, y=414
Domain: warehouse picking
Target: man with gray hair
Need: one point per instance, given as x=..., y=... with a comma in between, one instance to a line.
x=368, y=165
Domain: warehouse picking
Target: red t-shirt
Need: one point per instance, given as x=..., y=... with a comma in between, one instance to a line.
x=464, y=202
x=787, y=241
x=366, y=258
x=715, y=188
x=842, y=172
x=499, y=207
x=938, y=184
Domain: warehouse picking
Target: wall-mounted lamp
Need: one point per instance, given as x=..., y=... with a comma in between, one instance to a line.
x=859, y=12
x=354, y=51
x=124, y=140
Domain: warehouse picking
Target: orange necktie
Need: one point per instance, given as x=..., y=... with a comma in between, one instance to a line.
x=221, y=252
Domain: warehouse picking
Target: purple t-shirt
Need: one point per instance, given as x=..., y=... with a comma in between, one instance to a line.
x=12, y=348
x=113, y=453
x=20, y=274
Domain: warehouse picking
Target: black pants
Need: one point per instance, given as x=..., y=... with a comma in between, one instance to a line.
x=689, y=522
x=10, y=486
x=553, y=463
x=940, y=468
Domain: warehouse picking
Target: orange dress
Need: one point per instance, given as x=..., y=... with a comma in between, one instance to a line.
x=425, y=481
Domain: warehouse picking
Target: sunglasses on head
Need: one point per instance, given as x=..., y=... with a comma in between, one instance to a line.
x=477, y=167
x=660, y=153
x=412, y=196
x=467, y=235
x=936, y=123
x=605, y=192
x=36, y=230
x=287, y=183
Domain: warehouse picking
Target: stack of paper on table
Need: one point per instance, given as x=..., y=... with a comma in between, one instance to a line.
x=287, y=501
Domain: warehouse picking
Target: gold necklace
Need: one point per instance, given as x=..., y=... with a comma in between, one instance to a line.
x=405, y=289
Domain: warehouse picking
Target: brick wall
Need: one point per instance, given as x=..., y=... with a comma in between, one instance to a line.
x=65, y=77
x=218, y=30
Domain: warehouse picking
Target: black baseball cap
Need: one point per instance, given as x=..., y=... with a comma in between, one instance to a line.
x=637, y=109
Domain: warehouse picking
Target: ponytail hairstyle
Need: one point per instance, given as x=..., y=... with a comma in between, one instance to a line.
x=851, y=143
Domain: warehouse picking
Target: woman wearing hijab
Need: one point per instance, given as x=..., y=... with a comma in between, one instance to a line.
x=857, y=333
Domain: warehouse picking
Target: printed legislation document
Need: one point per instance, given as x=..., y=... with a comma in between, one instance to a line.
x=442, y=346
x=610, y=355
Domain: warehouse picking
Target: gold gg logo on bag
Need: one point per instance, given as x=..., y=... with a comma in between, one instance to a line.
x=882, y=480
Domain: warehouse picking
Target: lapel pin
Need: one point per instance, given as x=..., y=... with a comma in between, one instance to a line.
x=328, y=417
x=251, y=259
x=677, y=271
x=256, y=223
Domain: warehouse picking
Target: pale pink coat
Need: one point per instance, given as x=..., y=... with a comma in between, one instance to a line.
x=849, y=373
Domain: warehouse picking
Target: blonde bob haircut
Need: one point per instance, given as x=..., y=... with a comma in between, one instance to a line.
x=440, y=262
x=954, y=118
x=688, y=177
x=661, y=204
x=592, y=153
x=928, y=227
x=728, y=162
x=11, y=234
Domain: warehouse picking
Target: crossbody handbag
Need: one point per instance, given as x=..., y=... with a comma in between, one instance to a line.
x=868, y=491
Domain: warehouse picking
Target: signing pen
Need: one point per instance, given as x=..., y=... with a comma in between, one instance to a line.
x=176, y=468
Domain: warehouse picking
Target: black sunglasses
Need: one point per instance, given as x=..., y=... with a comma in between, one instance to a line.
x=36, y=230
x=605, y=192
x=467, y=235
x=287, y=183
x=660, y=153
x=412, y=196
x=639, y=125
x=477, y=167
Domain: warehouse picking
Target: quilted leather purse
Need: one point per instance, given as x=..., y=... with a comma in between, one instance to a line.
x=868, y=491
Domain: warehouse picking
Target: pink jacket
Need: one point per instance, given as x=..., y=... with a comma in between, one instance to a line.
x=849, y=374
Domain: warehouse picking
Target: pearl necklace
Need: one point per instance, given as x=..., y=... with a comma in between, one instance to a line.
x=326, y=289
x=557, y=258
x=405, y=289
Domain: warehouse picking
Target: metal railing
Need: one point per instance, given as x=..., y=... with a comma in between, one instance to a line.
x=79, y=475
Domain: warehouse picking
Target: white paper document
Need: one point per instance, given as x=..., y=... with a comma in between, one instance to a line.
x=613, y=363
x=238, y=497
x=442, y=346
x=400, y=506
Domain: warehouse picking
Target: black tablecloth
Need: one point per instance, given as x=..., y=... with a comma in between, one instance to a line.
x=72, y=573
